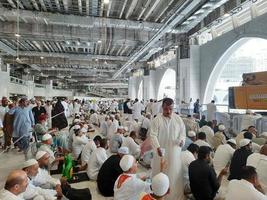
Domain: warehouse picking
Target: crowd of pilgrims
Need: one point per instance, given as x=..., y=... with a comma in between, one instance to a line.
x=180, y=157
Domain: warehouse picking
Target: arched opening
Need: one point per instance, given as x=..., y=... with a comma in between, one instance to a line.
x=167, y=85
x=140, y=91
x=245, y=55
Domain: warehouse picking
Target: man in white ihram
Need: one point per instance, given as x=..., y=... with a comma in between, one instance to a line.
x=168, y=132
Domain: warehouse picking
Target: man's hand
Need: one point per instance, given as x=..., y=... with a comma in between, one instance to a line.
x=159, y=152
x=59, y=191
x=163, y=164
x=224, y=171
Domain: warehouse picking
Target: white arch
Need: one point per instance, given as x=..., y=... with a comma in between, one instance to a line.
x=218, y=68
x=167, y=84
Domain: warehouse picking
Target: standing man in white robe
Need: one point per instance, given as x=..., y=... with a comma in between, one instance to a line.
x=138, y=107
x=211, y=111
x=168, y=132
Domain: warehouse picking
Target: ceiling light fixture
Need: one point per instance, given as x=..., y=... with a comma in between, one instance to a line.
x=106, y=1
x=99, y=41
x=17, y=35
x=68, y=42
x=42, y=57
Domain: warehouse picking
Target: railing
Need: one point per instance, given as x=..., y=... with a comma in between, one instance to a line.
x=39, y=85
x=17, y=81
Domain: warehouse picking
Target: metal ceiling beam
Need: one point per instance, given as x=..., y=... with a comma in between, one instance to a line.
x=72, y=56
x=66, y=5
x=11, y=3
x=80, y=6
x=43, y=5
x=164, y=10
x=152, y=8
x=175, y=19
x=7, y=49
x=40, y=32
x=35, y=5
x=109, y=85
x=143, y=10
x=80, y=21
x=77, y=70
x=123, y=7
x=130, y=10
x=57, y=4
x=109, y=7
x=87, y=7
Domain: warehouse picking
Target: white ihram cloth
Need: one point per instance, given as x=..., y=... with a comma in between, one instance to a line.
x=242, y=189
x=6, y=195
x=211, y=112
x=167, y=133
x=137, y=108
x=259, y=161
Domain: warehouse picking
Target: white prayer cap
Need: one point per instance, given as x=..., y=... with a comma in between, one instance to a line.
x=191, y=133
x=221, y=127
x=160, y=184
x=46, y=137
x=126, y=162
x=123, y=150
x=84, y=130
x=40, y=154
x=29, y=163
x=244, y=142
x=120, y=127
x=76, y=127
x=76, y=120
x=232, y=141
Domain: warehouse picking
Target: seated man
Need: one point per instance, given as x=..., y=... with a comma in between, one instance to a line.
x=116, y=140
x=98, y=157
x=259, y=161
x=239, y=159
x=79, y=141
x=203, y=181
x=187, y=157
x=16, y=184
x=31, y=168
x=223, y=155
x=55, y=162
x=208, y=130
x=41, y=127
x=88, y=149
x=131, y=144
x=255, y=147
x=109, y=172
x=43, y=179
x=219, y=137
x=247, y=188
x=128, y=186
x=160, y=188
x=191, y=137
x=201, y=140
x=240, y=136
